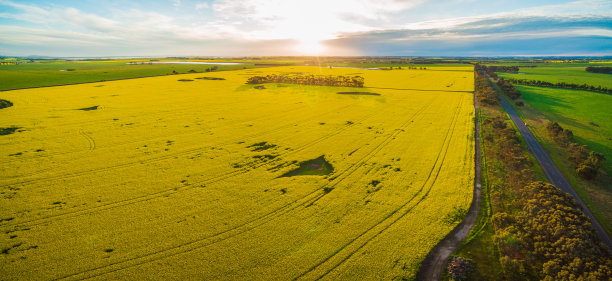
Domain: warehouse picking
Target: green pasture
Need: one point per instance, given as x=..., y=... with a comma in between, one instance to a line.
x=587, y=114
x=57, y=72
x=555, y=73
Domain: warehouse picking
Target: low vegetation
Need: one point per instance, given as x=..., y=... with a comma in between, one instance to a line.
x=587, y=163
x=599, y=69
x=561, y=85
x=309, y=79
x=533, y=224
x=318, y=166
x=5, y=103
x=508, y=89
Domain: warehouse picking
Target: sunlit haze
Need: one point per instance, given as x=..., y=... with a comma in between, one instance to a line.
x=315, y=27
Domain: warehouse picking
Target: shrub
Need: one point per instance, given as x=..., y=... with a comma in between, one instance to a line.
x=458, y=268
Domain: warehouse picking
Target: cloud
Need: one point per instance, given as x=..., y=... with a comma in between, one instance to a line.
x=346, y=27
x=516, y=35
x=314, y=19
x=202, y=5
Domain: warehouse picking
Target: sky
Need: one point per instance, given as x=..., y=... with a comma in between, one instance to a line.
x=88, y=28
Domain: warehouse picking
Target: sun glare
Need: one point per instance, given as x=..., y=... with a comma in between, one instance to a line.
x=309, y=47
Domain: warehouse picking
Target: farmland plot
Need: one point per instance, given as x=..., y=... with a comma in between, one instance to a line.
x=197, y=178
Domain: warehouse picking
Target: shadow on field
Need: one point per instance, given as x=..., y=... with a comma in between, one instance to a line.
x=95, y=107
x=358, y=93
x=316, y=167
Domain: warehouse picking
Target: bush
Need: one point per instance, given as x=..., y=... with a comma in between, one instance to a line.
x=519, y=103
x=586, y=171
x=458, y=268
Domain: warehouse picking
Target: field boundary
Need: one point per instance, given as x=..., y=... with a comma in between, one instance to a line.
x=435, y=262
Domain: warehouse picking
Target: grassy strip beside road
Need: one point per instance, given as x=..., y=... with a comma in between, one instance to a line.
x=518, y=235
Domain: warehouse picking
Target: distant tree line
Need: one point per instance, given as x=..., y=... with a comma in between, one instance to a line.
x=540, y=231
x=599, y=69
x=502, y=68
x=563, y=85
x=309, y=79
x=586, y=162
x=508, y=89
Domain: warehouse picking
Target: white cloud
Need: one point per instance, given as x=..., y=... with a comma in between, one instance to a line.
x=203, y=5
x=244, y=27
x=307, y=20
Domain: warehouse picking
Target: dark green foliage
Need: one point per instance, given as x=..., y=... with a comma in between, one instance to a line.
x=318, y=166
x=456, y=215
x=502, y=68
x=519, y=103
x=265, y=157
x=599, y=69
x=8, y=131
x=458, y=268
x=550, y=239
x=260, y=146
x=5, y=103
x=587, y=162
x=563, y=85
x=210, y=78
x=508, y=89
x=586, y=172
x=358, y=93
x=309, y=79
x=89, y=108
x=559, y=135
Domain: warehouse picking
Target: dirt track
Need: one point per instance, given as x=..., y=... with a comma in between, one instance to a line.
x=436, y=260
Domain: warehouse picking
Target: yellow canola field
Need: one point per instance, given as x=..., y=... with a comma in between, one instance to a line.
x=162, y=181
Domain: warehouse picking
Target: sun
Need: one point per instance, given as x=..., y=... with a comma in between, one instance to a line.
x=309, y=47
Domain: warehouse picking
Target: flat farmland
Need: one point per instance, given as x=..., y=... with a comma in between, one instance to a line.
x=204, y=179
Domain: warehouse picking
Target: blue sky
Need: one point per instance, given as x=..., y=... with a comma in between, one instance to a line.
x=313, y=27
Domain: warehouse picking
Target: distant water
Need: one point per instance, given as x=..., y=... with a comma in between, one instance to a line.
x=186, y=62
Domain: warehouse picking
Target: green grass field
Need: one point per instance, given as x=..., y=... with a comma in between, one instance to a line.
x=587, y=114
x=52, y=72
x=568, y=73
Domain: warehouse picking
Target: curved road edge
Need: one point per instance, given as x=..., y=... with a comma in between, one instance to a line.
x=436, y=260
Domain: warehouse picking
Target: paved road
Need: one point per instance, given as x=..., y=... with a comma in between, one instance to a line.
x=550, y=169
x=435, y=262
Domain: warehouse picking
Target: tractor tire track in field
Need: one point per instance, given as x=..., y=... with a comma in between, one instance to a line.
x=174, y=190
x=304, y=201
x=249, y=121
x=394, y=216
x=434, y=264
x=164, y=157
x=90, y=140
